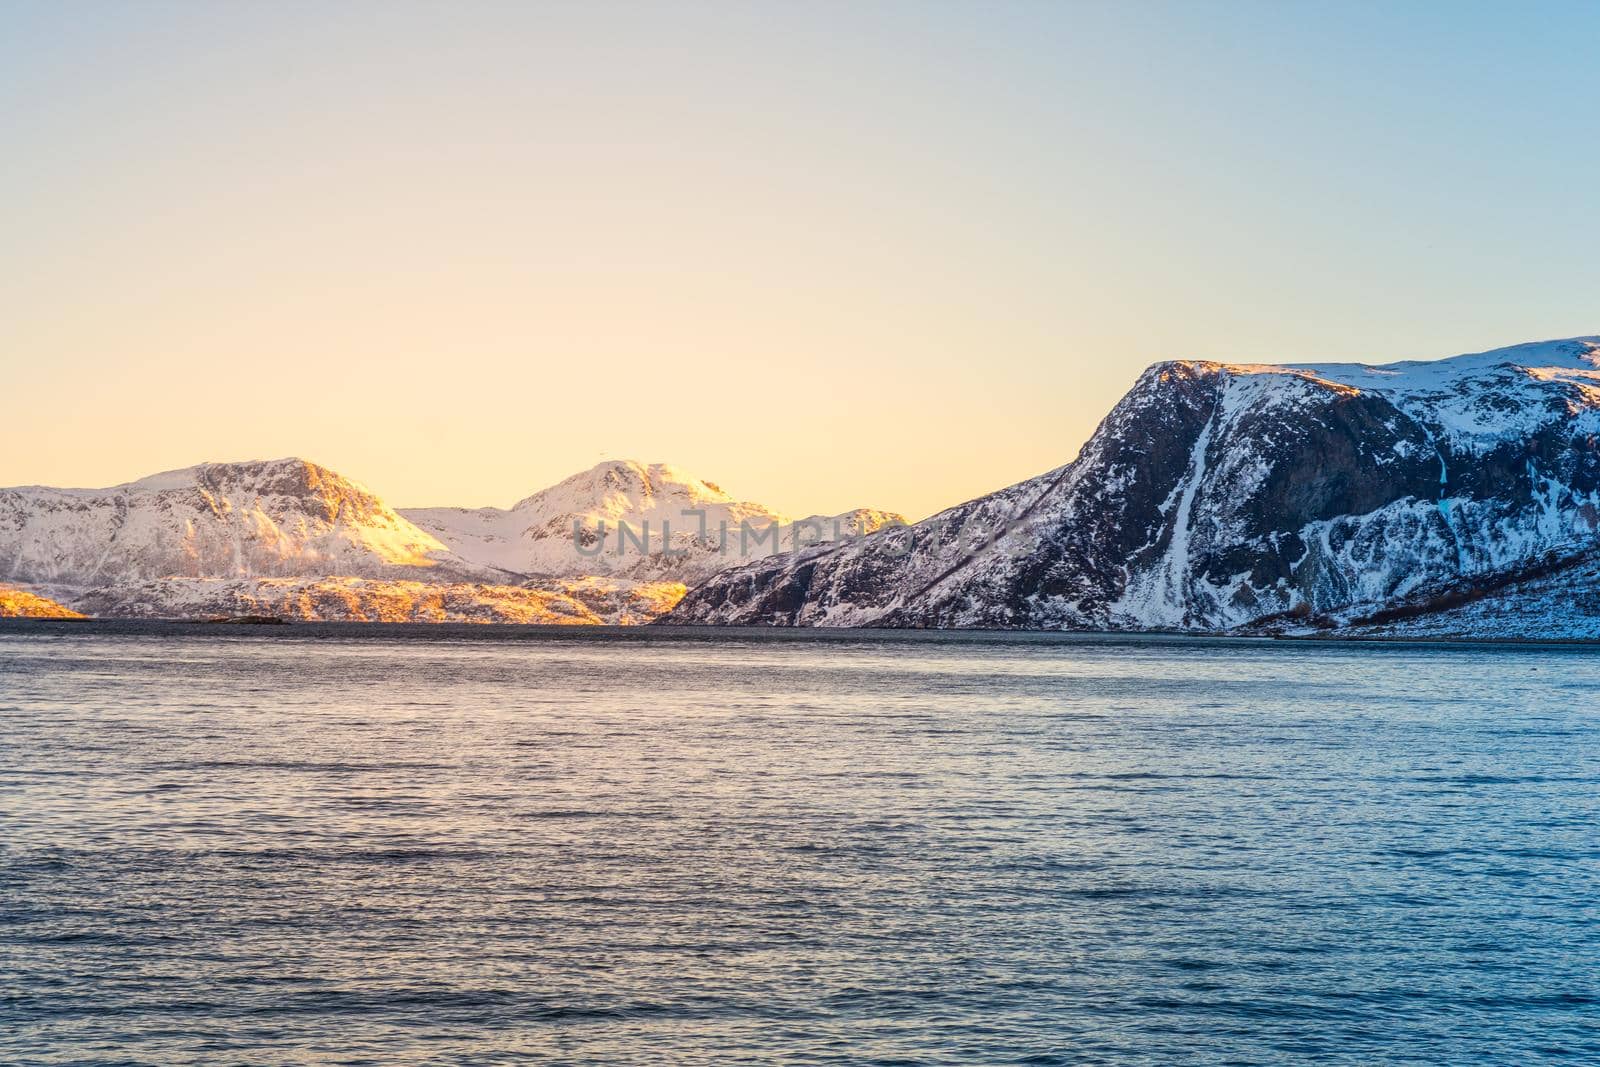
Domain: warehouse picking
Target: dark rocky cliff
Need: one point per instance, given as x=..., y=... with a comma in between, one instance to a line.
x=1216, y=497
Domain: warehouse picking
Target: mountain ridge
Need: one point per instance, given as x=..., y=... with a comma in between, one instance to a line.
x=1214, y=497
x=602, y=521
x=290, y=535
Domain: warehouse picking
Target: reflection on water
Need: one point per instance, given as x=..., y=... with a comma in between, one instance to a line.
x=348, y=845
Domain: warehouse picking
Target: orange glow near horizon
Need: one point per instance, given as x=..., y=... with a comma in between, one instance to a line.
x=877, y=256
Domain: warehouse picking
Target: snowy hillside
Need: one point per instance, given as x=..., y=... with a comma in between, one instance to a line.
x=1549, y=603
x=625, y=518
x=282, y=517
x=1216, y=497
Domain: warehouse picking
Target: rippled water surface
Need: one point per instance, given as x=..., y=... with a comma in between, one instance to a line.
x=396, y=845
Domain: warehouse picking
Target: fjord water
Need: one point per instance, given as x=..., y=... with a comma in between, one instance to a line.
x=404, y=845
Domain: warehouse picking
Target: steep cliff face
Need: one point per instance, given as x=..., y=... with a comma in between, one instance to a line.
x=227, y=520
x=1218, y=496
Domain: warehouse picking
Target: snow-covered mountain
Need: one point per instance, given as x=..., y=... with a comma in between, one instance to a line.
x=289, y=537
x=276, y=518
x=628, y=519
x=1428, y=498
x=1218, y=497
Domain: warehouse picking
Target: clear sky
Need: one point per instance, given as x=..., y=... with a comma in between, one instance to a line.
x=826, y=254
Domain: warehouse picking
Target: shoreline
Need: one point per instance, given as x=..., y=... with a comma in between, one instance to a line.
x=281, y=627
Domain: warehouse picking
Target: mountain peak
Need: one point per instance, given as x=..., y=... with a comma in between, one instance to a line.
x=625, y=485
x=245, y=519
x=288, y=470
x=290, y=479
x=682, y=527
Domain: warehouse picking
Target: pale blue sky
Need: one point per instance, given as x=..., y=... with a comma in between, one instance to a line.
x=827, y=254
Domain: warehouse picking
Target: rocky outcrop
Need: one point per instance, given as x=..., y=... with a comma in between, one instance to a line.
x=21, y=604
